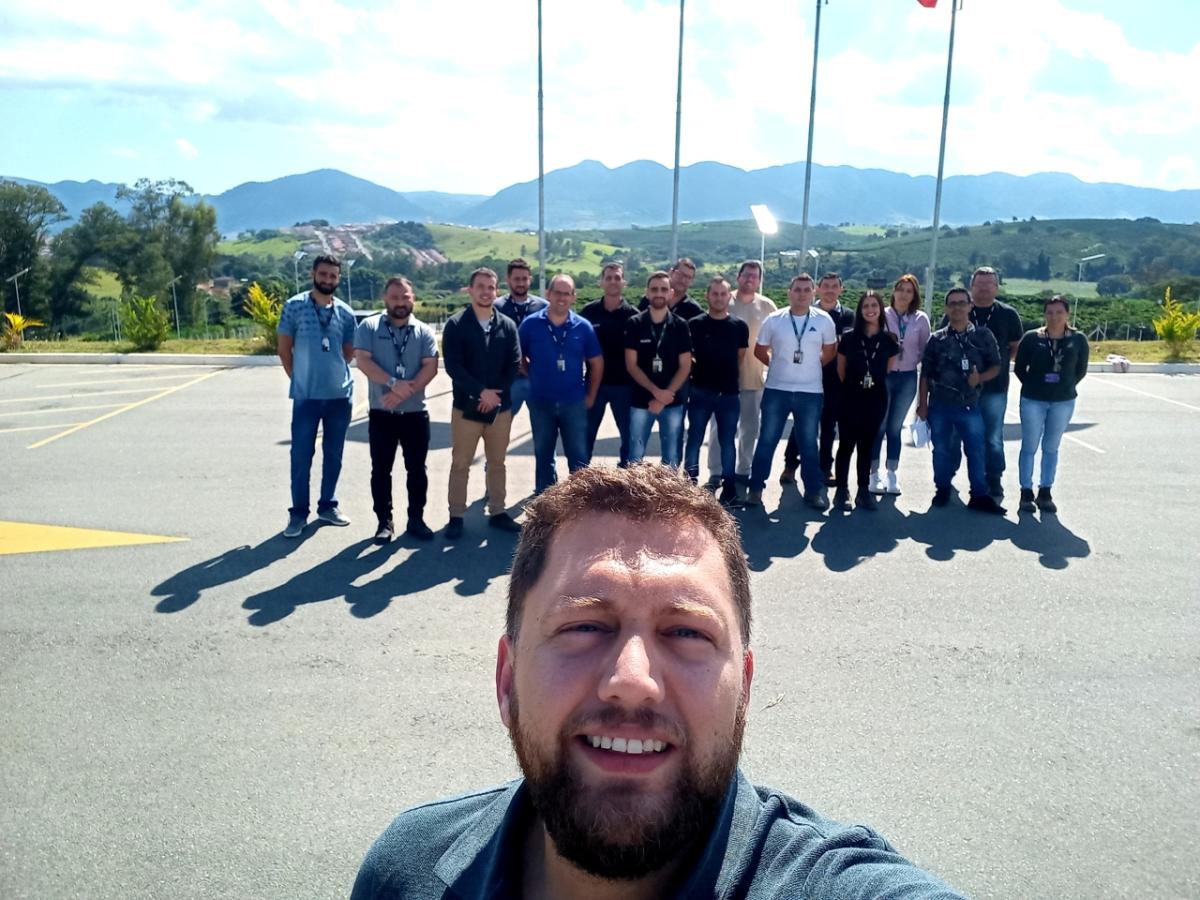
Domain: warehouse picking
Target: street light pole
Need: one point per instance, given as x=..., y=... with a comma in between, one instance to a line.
x=296, y=257
x=816, y=264
x=1083, y=260
x=678, y=124
x=350, y=281
x=812, y=112
x=766, y=225
x=175, y=303
x=17, y=287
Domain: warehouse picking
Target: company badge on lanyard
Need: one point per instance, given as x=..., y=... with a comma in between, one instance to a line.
x=399, y=345
x=798, y=356
x=1054, y=376
x=656, y=364
x=323, y=324
x=560, y=343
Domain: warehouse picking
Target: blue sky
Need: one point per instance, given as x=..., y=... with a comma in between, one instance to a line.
x=442, y=96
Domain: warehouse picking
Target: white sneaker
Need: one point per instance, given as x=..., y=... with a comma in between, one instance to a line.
x=876, y=484
x=893, y=483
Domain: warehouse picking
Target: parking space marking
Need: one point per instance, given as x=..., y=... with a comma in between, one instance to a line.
x=37, y=427
x=58, y=409
x=136, y=378
x=30, y=537
x=1075, y=440
x=148, y=390
x=1126, y=387
x=124, y=409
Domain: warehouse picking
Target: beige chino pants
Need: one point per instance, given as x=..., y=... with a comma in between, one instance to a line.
x=464, y=441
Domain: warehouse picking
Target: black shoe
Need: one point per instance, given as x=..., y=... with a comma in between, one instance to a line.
x=866, y=500
x=504, y=522
x=1045, y=502
x=941, y=496
x=985, y=503
x=1027, y=504
x=788, y=475
x=996, y=491
x=841, y=500
x=384, y=533
x=418, y=529
x=729, y=495
x=830, y=479
x=818, y=500
x=454, y=528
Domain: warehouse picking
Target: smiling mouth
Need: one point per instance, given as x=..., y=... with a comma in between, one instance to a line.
x=632, y=746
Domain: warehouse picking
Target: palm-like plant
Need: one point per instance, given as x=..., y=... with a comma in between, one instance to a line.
x=14, y=329
x=265, y=311
x=1176, y=326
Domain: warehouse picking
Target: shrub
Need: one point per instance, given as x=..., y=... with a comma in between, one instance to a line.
x=144, y=322
x=1176, y=326
x=264, y=310
x=14, y=330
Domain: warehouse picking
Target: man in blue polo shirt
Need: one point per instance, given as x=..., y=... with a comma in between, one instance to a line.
x=623, y=678
x=316, y=344
x=557, y=345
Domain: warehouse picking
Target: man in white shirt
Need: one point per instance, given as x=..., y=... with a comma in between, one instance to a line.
x=794, y=344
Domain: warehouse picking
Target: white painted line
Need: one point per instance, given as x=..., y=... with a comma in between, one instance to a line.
x=131, y=380
x=1076, y=440
x=1126, y=387
x=36, y=427
x=58, y=409
x=79, y=396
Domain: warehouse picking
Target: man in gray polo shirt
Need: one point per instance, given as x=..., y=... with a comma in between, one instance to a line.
x=399, y=357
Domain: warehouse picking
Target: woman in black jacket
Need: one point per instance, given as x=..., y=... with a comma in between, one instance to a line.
x=1051, y=361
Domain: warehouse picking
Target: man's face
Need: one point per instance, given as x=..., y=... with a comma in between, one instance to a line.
x=681, y=280
x=749, y=279
x=718, y=297
x=483, y=291
x=325, y=279
x=984, y=288
x=519, y=281
x=800, y=294
x=613, y=282
x=958, y=310
x=658, y=292
x=830, y=290
x=561, y=295
x=632, y=643
x=398, y=300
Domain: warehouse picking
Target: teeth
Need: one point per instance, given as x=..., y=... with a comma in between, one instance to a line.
x=606, y=743
x=635, y=746
x=620, y=744
x=626, y=745
x=596, y=742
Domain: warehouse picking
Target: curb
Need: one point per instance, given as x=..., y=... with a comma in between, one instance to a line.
x=140, y=359
x=1148, y=368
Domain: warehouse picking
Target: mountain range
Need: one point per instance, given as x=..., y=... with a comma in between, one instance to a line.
x=592, y=195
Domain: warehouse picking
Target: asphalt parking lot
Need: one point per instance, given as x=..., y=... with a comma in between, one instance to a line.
x=196, y=707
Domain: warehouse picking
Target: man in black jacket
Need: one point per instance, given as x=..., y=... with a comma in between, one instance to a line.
x=482, y=356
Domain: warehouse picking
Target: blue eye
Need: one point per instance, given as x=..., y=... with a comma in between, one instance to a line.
x=687, y=633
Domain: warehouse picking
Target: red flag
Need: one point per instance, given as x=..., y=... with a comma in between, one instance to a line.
x=928, y=4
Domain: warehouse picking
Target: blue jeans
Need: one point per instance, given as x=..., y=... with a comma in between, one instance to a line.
x=950, y=426
x=618, y=397
x=1043, y=422
x=549, y=420
x=805, y=410
x=702, y=406
x=670, y=429
x=334, y=417
x=991, y=407
x=519, y=392
x=902, y=388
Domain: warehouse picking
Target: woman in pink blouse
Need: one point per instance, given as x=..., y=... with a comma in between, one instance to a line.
x=911, y=326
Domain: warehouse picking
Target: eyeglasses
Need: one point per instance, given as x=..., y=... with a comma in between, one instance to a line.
x=958, y=303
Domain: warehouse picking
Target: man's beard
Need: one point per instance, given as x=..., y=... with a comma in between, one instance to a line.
x=324, y=290
x=615, y=833
x=399, y=314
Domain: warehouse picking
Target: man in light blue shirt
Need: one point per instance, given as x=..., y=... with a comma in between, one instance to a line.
x=316, y=344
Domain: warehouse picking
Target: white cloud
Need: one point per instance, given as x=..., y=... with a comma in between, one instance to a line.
x=186, y=149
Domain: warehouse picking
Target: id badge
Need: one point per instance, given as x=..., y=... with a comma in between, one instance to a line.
x=798, y=357
x=868, y=381
x=1052, y=378
x=562, y=364
x=656, y=365
x=324, y=345
x=966, y=365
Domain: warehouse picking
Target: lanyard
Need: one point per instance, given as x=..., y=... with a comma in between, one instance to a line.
x=559, y=342
x=984, y=323
x=1056, y=352
x=803, y=328
x=902, y=324
x=323, y=324
x=522, y=309
x=408, y=330
x=963, y=344
x=658, y=334
x=874, y=342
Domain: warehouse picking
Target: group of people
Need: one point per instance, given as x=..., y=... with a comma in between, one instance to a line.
x=736, y=369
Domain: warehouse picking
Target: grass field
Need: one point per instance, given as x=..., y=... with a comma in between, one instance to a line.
x=462, y=244
x=217, y=346
x=1140, y=351
x=106, y=286
x=863, y=230
x=279, y=247
x=1027, y=287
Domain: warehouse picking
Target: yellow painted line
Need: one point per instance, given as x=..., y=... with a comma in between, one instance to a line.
x=36, y=428
x=28, y=537
x=58, y=409
x=77, y=395
x=124, y=409
x=138, y=378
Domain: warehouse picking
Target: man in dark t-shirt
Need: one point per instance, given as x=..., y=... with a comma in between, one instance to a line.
x=719, y=343
x=658, y=358
x=609, y=315
x=682, y=274
x=635, y=581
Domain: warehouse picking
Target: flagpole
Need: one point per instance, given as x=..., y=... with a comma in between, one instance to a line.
x=812, y=112
x=541, y=167
x=937, y=202
x=678, y=122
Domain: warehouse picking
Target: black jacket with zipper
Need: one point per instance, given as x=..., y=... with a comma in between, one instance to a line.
x=476, y=363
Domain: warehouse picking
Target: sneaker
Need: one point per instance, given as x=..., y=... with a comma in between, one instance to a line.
x=893, y=483
x=754, y=497
x=876, y=484
x=418, y=529
x=295, y=525
x=985, y=503
x=333, y=516
x=1045, y=502
x=818, y=500
x=841, y=500
x=866, y=500
x=714, y=482
x=729, y=495
x=788, y=475
x=454, y=528
x=941, y=496
x=504, y=522
x=384, y=533
x=1027, y=504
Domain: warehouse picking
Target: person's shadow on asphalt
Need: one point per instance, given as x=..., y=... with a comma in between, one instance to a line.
x=184, y=588
x=775, y=535
x=848, y=538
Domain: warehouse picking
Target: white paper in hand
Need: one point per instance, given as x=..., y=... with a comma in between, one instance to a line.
x=918, y=433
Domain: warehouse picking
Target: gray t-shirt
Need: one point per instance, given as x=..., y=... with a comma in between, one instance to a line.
x=384, y=342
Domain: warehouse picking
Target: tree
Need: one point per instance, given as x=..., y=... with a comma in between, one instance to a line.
x=27, y=213
x=1114, y=285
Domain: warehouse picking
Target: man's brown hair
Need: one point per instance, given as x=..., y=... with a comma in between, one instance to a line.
x=644, y=492
x=482, y=272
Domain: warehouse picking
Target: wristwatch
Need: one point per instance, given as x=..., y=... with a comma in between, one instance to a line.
x=391, y=383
